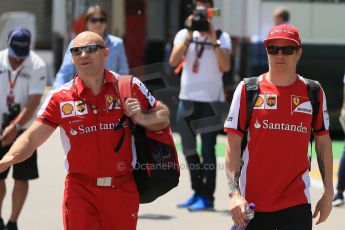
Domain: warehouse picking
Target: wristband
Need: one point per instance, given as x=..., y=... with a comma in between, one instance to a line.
x=185, y=44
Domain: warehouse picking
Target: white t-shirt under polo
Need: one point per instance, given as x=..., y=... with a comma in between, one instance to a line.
x=31, y=80
x=207, y=84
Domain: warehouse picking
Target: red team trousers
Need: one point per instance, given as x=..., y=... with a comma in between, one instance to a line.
x=88, y=206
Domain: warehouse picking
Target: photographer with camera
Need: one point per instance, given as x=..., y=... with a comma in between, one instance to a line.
x=22, y=82
x=206, y=55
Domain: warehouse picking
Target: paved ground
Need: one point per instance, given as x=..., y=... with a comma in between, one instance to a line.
x=42, y=210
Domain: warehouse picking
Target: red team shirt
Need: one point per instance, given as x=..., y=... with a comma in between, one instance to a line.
x=275, y=171
x=89, y=140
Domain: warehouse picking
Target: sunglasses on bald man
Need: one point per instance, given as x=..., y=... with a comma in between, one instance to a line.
x=92, y=48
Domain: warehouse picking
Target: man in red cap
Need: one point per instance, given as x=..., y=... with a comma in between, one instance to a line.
x=275, y=164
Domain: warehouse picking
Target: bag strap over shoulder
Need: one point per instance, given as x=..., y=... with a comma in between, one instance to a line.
x=252, y=92
x=125, y=89
x=313, y=89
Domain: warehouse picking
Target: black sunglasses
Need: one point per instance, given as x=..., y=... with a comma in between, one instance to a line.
x=95, y=20
x=92, y=48
x=286, y=50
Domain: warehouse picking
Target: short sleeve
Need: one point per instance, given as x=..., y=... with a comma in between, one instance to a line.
x=225, y=41
x=236, y=119
x=38, y=80
x=49, y=111
x=321, y=125
x=144, y=96
x=180, y=37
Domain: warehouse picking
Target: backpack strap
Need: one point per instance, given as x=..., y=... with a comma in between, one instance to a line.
x=313, y=89
x=252, y=92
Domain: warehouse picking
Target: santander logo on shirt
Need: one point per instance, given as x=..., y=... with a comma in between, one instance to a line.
x=266, y=124
x=82, y=129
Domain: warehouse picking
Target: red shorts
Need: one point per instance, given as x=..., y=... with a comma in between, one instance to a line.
x=87, y=206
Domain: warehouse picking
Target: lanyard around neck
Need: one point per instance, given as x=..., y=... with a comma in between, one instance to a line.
x=13, y=83
x=199, y=51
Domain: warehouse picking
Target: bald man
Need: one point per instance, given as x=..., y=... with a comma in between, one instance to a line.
x=100, y=192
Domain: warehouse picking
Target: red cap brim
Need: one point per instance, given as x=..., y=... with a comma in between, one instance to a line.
x=266, y=41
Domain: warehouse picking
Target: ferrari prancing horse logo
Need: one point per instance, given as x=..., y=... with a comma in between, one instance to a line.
x=296, y=100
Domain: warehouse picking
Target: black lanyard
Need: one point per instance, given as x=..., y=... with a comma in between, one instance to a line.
x=200, y=51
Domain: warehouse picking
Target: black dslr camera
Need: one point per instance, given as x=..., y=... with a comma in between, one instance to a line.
x=13, y=111
x=199, y=20
x=200, y=16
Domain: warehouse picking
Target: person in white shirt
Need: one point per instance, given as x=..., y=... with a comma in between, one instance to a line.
x=206, y=57
x=22, y=81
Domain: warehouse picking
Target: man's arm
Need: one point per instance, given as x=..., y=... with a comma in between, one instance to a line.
x=154, y=120
x=26, y=143
x=223, y=59
x=24, y=116
x=179, y=50
x=323, y=147
x=233, y=166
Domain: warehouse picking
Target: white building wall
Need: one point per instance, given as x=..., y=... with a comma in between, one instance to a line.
x=317, y=22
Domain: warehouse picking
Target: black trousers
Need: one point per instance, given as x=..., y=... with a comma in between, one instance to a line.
x=294, y=218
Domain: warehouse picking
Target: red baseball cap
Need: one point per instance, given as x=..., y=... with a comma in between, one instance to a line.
x=283, y=31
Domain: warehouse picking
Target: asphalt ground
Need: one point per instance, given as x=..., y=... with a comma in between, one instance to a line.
x=42, y=210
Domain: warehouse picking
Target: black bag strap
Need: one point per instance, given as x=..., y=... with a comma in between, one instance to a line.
x=252, y=92
x=313, y=89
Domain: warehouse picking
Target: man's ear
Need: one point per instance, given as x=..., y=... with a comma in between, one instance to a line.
x=107, y=52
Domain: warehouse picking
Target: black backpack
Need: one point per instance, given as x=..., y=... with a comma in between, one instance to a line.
x=157, y=168
x=252, y=92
